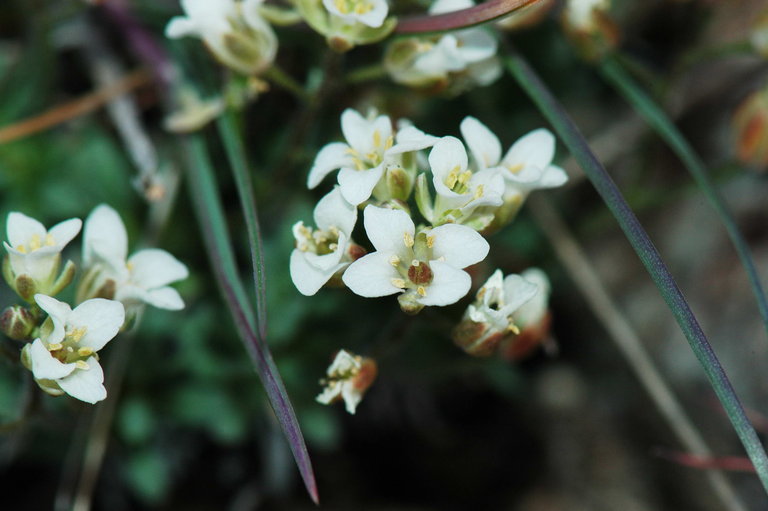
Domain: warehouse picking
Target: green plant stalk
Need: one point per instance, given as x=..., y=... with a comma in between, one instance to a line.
x=233, y=145
x=210, y=214
x=650, y=257
x=613, y=71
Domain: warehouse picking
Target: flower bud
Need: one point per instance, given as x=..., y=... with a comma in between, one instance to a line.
x=750, y=129
x=348, y=377
x=589, y=27
x=17, y=323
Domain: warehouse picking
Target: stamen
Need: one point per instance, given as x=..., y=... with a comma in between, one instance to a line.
x=421, y=291
x=49, y=241
x=34, y=242
x=515, y=168
x=333, y=246
x=341, y=5
x=394, y=260
x=513, y=328
x=55, y=347
x=399, y=283
x=408, y=239
x=376, y=133
x=81, y=364
x=389, y=143
x=85, y=352
x=77, y=333
x=479, y=191
x=465, y=176
x=22, y=249
x=430, y=241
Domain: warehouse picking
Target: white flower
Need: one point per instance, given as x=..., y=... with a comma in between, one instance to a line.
x=460, y=190
x=534, y=311
x=142, y=278
x=322, y=252
x=368, y=12
x=349, y=376
x=465, y=57
x=371, y=147
x=66, y=360
x=235, y=32
x=527, y=166
x=426, y=267
x=35, y=254
x=581, y=15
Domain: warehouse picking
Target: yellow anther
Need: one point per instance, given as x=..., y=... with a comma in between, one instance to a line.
x=34, y=242
x=430, y=241
x=465, y=176
x=398, y=283
x=394, y=260
x=513, y=328
x=479, y=191
x=359, y=164
x=481, y=293
x=49, y=241
x=408, y=239
x=389, y=143
x=333, y=246
x=303, y=247
x=376, y=133
x=341, y=5
x=22, y=249
x=85, y=352
x=350, y=151
x=515, y=168
x=421, y=291
x=55, y=347
x=363, y=8
x=77, y=333
x=453, y=176
x=81, y=364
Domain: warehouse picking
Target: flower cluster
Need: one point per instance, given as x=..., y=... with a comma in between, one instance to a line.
x=473, y=193
x=454, y=61
x=61, y=344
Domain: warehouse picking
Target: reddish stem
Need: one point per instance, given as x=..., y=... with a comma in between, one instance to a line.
x=464, y=18
x=729, y=463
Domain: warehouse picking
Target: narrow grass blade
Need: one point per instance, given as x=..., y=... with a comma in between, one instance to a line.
x=215, y=235
x=574, y=140
x=233, y=146
x=475, y=15
x=615, y=73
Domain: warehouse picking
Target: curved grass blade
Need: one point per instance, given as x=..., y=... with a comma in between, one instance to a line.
x=233, y=146
x=615, y=73
x=475, y=15
x=643, y=246
x=215, y=235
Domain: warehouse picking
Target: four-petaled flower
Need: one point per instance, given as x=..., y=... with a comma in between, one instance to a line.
x=425, y=266
x=460, y=190
x=371, y=13
x=234, y=31
x=64, y=358
x=491, y=317
x=371, y=148
x=348, y=377
x=34, y=254
x=320, y=253
x=142, y=278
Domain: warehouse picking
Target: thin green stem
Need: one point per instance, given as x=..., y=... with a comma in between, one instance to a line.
x=366, y=74
x=613, y=71
x=287, y=82
x=650, y=257
x=210, y=215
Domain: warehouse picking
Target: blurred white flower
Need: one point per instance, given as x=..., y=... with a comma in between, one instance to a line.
x=34, y=255
x=348, y=377
x=460, y=190
x=582, y=15
x=64, y=358
x=532, y=318
x=458, y=59
x=326, y=250
x=371, y=149
x=426, y=266
x=368, y=12
x=491, y=317
x=140, y=279
x=234, y=31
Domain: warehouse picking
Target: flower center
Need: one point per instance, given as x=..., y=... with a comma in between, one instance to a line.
x=36, y=243
x=375, y=156
x=318, y=241
x=68, y=351
x=358, y=7
x=456, y=180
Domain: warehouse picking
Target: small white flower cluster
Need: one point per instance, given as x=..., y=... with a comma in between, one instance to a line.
x=471, y=195
x=454, y=61
x=61, y=349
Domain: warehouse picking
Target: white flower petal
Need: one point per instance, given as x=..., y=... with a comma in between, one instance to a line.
x=180, y=26
x=307, y=278
x=102, y=320
x=493, y=187
x=44, y=365
x=62, y=233
x=20, y=229
x=154, y=267
x=351, y=397
x=447, y=155
x=448, y=285
x=357, y=185
x=482, y=142
x=388, y=228
x=326, y=261
x=85, y=384
x=371, y=276
x=38, y=265
x=552, y=177
x=333, y=211
x=441, y=6
x=534, y=310
x=59, y=313
x=331, y=157
x=517, y=291
x=164, y=298
x=460, y=245
x=536, y=148
x=375, y=17
x=476, y=44
x=411, y=138
x=357, y=130
x=104, y=235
